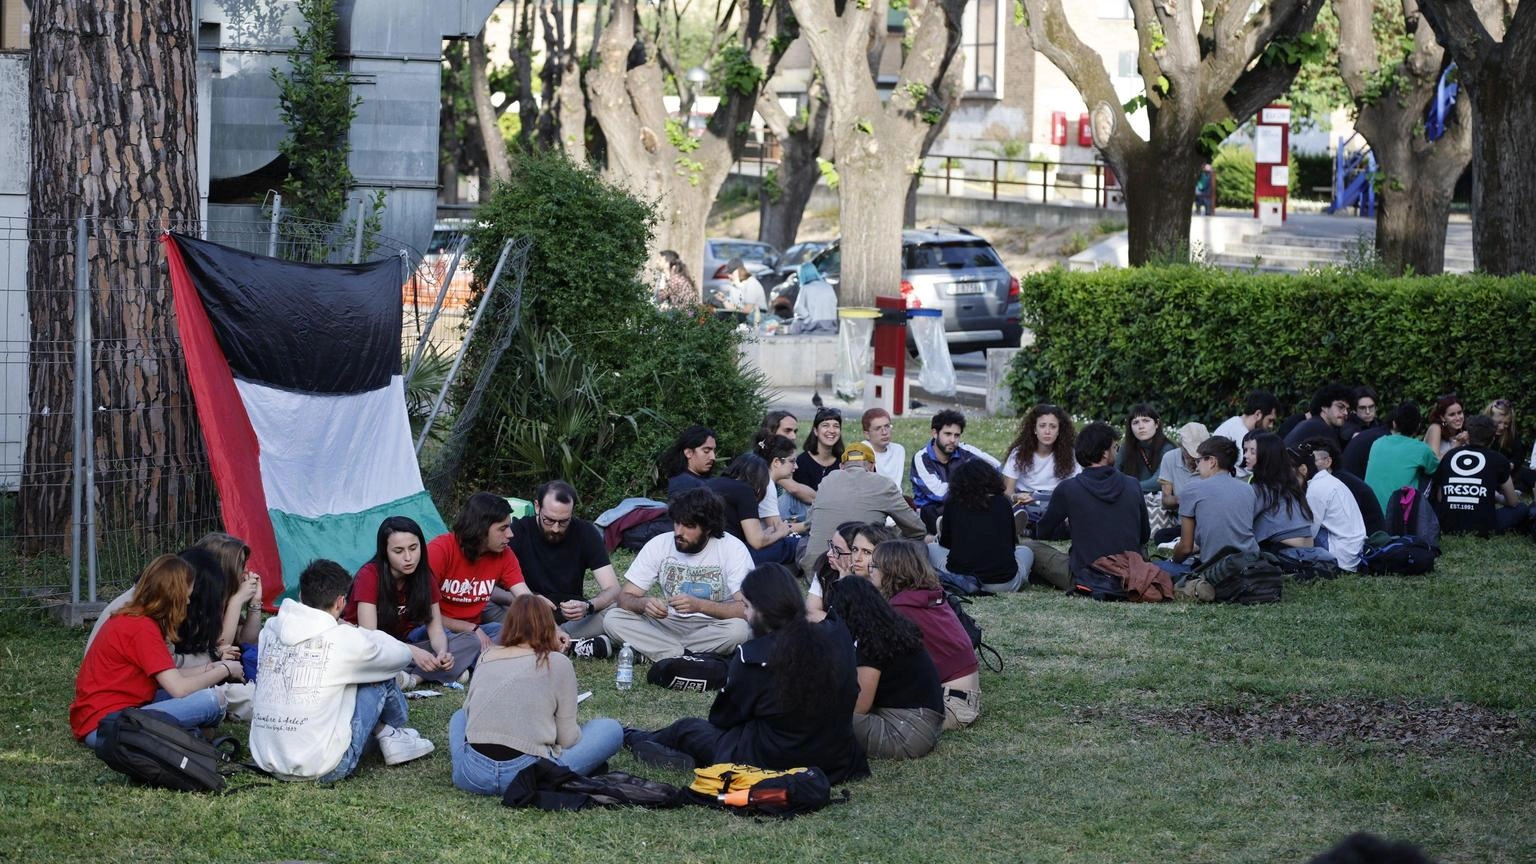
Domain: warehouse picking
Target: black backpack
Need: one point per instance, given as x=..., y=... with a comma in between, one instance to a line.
x=548, y=785
x=149, y=747
x=1098, y=585
x=1242, y=577
x=957, y=605
x=1409, y=513
x=1407, y=556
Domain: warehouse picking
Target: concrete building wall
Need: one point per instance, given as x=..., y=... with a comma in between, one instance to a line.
x=14, y=20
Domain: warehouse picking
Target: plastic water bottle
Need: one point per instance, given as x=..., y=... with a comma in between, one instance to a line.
x=624, y=678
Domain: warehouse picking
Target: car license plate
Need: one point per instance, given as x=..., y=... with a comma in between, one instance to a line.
x=960, y=288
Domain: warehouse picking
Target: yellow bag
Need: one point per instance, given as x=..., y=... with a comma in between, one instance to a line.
x=724, y=777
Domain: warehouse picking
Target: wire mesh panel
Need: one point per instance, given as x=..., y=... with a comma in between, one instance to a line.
x=144, y=482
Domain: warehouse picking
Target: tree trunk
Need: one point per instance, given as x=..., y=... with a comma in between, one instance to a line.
x=112, y=88
x=1159, y=203
x=1410, y=225
x=485, y=116
x=782, y=203
x=1503, y=184
x=871, y=229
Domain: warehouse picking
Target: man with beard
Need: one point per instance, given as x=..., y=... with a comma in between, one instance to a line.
x=556, y=550
x=788, y=698
x=697, y=569
x=932, y=464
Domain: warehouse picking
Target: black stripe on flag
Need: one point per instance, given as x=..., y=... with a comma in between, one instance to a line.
x=316, y=328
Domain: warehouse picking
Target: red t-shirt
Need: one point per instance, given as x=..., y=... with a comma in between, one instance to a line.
x=118, y=671
x=465, y=586
x=365, y=589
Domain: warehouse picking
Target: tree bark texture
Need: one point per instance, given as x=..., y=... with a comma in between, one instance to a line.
x=684, y=175
x=485, y=113
x=1496, y=66
x=802, y=140
x=113, y=113
x=1197, y=71
x=1420, y=175
x=877, y=144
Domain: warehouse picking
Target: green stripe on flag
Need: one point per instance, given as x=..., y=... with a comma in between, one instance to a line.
x=346, y=538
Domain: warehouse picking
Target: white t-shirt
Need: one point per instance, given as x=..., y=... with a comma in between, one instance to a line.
x=1233, y=429
x=892, y=463
x=714, y=573
x=1334, y=508
x=1039, y=475
x=768, y=505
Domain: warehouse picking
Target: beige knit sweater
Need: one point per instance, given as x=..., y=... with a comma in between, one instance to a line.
x=516, y=703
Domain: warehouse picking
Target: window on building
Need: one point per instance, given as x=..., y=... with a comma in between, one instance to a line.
x=1128, y=63
x=982, y=42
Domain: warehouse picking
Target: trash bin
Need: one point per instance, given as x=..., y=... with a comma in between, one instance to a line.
x=855, y=328
x=938, y=372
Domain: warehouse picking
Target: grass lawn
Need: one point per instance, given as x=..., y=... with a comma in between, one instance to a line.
x=1115, y=733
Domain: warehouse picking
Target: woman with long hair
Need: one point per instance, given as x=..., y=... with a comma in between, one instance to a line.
x=1506, y=440
x=869, y=536
x=900, y=710
x=788, y=697
x=1281, y=516
x=976, y=533
x=675, y=288
x=242, y=588
x=831, y=566
x=401, y=577
x=1446, y=426
x=129, y=665
x=901, y=571
x=521, y=707
x=1145, y=444
x=742, y=489
x=1040, y=457
x=823, y=450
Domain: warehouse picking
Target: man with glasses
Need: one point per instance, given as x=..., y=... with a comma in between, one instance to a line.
x=1361, y=431
x=556, y=550
x=1330, y=408
x=890, y=457
x=856, y=494
x=1217, y=510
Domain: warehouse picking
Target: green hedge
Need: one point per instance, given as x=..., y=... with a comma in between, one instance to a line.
x=1195, y=340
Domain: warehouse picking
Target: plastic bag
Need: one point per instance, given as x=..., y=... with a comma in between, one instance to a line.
x=855, y=352
x=938, y=373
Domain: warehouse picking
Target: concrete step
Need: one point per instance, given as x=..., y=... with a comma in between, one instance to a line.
x=1275, y=259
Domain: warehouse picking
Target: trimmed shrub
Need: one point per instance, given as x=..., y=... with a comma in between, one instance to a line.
x=597, y=381
x=1234, y=167
x=1195, y=340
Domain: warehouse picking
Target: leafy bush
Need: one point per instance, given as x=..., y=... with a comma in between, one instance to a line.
x=597, y=380
x=1309, y=172
x=1195, y=340
x=1234, y=167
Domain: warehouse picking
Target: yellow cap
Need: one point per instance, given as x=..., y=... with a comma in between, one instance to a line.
x=859, y=452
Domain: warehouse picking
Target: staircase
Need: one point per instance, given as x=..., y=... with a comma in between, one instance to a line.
x=1311, y=242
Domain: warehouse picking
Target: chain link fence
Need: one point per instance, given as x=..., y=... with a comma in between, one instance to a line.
x=89, y=495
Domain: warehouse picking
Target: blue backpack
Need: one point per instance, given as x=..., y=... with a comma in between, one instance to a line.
x=1407, y=555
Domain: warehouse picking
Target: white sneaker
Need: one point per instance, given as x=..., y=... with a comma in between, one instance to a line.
x=407, y=680
x=399, y=747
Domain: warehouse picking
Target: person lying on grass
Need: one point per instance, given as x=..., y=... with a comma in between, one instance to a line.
x=129, y=665
x=788, y=697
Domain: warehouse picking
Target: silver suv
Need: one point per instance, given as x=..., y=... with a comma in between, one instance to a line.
x=958, y=273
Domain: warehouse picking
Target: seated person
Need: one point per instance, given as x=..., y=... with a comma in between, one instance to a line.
x=1281, y=516
x=823, y=450
x=1329, y=410
x=890, y=457
x=1100, y=497
x=521, y=707
x=741, y=490
x=555, y=551
x=976, y=535
x=689, y=460
x=410, y=612
x=1400, y=459
x=816, y=304
x=129, y=665
x=1506, y=440
x=1259, y=412
x=931, y=465
x=698, y=569
x=1039, y=458
x=1216, y=511
x=1179, y=469
x=476, y=573
x=857, y=494
x=830, y=566
x=1471, y=481
x=782, y=511
x=1145, y=444
x=326, y=691
x=900, y=570
x=900, y=710
x=1337, y=522
x=1446, y=425
x=788, y=697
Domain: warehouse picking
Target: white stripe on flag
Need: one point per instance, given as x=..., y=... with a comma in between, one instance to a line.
x=326, y=454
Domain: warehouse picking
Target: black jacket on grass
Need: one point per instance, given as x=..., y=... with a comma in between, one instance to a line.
x=1107, y=512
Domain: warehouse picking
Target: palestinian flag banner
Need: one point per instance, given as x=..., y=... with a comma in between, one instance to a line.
x=295, y=370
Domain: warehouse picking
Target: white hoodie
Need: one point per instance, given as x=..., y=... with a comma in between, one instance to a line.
x=309, y=667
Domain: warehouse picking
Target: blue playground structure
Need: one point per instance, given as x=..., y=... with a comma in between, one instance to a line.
x=1354, y=172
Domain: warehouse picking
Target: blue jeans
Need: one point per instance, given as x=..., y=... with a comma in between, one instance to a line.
x=781, y=551
x=476, y=772
x=791, y=508
x=1023, y=559
x=379, y=702
x=201, y=710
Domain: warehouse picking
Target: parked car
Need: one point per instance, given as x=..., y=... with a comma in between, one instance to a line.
x=791, y=260
x=950, y=269
x=760, y=259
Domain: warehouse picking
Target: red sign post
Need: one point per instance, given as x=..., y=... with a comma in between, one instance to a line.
x=1272, y=157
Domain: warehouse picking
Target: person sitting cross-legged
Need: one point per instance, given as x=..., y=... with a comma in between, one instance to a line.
x=476, y=572
x=326, y=690
x=976, y=534
x=555, y=550
x=900, y=569
x=1107, y=502
x=1470, y=483
x=856, y=493
x=698, y=569
x=1216, y=511
x=788, y=697
x=521, y=707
